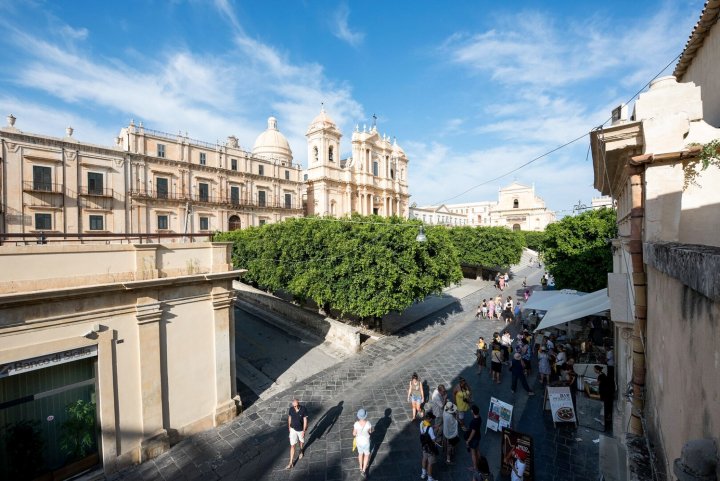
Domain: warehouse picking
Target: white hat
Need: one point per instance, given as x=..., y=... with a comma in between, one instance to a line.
x=450, y=407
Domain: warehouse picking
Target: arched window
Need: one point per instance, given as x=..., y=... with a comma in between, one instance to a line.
x=516, y=226
x=330, y=154
x=234, y=223
x=315, y=153
x=516, y=204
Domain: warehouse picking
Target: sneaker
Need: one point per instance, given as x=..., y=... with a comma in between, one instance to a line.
x=423, y=476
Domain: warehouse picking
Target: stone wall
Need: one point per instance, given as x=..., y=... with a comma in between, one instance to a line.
x=335, y=332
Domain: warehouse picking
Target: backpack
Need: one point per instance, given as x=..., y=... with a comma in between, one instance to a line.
x=428, y=445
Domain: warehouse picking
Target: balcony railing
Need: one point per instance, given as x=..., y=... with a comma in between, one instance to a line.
x=95, y=191
x=268, y=202
x=159, y=194
x=35, y=186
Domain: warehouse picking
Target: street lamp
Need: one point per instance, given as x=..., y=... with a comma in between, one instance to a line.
x=421, y=235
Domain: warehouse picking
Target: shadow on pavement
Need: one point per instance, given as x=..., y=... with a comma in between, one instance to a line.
x=378, y=436
x=325, y=423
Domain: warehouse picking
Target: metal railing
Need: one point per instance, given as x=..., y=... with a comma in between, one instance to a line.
x=35, y=186
x=268, y=202
x=95, y=191
x=159, y=194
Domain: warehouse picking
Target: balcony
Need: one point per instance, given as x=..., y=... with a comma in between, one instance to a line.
x=95, y=191
x=44, y=187
x=158, y=194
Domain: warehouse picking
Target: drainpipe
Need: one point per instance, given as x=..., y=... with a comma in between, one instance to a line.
x=637, y=213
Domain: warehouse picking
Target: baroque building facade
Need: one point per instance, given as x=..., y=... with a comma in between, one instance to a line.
x=517, y=208
x=373, y=180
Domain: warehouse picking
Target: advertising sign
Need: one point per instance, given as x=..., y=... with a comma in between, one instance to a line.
x=561, y=405
x=499, y=415
x=514, y=440
x=41, y=362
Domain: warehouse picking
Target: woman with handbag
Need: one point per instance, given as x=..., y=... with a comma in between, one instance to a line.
x=362, y=429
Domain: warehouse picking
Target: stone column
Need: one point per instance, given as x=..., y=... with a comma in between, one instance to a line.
x=223, y=326
x=155, y=437
x=109, y=437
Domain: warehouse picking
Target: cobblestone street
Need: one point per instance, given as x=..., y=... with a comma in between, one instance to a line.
x=440, y=348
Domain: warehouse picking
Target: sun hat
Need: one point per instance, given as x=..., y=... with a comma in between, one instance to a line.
x=362, y=414
x=450, y=407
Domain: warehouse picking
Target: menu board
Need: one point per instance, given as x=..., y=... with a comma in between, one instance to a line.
x=561, y=405
x=515, y=440
x=499, y=415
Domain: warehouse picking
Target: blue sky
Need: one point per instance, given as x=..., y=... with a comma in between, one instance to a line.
x=471, y=89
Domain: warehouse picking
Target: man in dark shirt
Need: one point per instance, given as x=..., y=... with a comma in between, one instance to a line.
x=297, y=425
x=473, y=439
x=607, y=394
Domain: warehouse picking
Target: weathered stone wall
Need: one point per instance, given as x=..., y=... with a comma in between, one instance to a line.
x=339, y=334
x=696, y=266
x=683, y=347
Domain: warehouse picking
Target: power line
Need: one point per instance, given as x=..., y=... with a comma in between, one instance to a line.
x=563, y=145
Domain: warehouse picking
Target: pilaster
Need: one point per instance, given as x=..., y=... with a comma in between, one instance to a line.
x=222, y=302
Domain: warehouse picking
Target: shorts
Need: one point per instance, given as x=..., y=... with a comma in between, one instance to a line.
x=496, y=366
x=363, y=448
x=296, y=437
x=415, y=398
x=428, y=457
x=474, y=443
x=453, y=441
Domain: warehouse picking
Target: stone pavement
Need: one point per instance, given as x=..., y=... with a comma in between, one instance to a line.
x=440, y=348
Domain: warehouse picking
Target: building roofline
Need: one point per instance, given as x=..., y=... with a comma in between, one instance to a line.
x=708, y=18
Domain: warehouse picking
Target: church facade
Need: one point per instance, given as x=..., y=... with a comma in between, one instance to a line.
x=373, y=180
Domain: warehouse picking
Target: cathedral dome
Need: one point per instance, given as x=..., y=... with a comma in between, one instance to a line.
x=272, y=144
x=322, y=122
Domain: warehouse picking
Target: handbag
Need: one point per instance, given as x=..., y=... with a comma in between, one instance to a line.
x=354, y=444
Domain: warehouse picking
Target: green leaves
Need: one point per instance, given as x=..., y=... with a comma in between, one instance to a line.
x=491, y=247
x=576, y=250
x=361, y=266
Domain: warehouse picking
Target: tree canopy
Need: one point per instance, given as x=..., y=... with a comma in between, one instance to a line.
x=533, y=239
x=360, y=266
x=576, y=250
x=490, y=247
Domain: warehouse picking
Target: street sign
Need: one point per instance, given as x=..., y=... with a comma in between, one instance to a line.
x=499, y=415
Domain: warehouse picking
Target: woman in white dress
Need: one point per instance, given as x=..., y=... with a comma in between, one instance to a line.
x=362, y=429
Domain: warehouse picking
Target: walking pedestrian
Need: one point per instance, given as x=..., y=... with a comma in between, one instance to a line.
x=496, y=362
x=526, y=354
x=491, y=308
x=415, y=395
x=481, y=354
x=450, y=431
x=544, y=368
x=362, y=429
x=571, y=381
x=463, y=397
x=437, y=404
x=517, y=369
x=297, y=425
x=473, y=439
x=428, y=445
x=506, y=345
x=607, y=395
x=484, y=308
x=501, y=283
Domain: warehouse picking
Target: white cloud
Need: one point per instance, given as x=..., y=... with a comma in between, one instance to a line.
x=208, y=95
x=73, y=33
x=341, y=28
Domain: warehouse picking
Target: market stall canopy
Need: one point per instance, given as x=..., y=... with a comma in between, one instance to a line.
x=544, y=300
x=575, y=308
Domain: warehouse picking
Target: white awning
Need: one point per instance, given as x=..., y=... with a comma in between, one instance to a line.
x=544, y=300
x=581, y=306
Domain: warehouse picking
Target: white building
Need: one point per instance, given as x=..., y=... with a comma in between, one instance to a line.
x=517, y=208
x=437, y=215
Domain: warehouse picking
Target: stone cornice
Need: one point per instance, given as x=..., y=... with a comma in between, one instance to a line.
x=694, y=265
x=45, y=141
x=148, y=313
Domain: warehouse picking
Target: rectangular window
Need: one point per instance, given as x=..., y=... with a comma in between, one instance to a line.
x=235, y=195
x=96, y=222
x=43, y=221
x=161, y=187
x=203, y=158
x=204, y=223
x=204, y=192
x=161, y=150
x=376, y=169
x=261, y=198
x=42, y=178
x=233, y=164
x=162, y=222
x=288, y=201
x=263, y=221
x=287, y=175
x=261, y=170
x=95, y=183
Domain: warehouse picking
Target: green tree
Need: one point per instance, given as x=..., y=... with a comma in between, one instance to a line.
x=576, y=250
x=361, y=266
x=533, y=239
x=490, y=247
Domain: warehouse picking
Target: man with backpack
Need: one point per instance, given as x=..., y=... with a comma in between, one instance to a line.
x=429, y=447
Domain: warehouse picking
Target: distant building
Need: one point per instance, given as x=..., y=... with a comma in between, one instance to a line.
x=373, y=180
x=517, y=208
x=437, y=215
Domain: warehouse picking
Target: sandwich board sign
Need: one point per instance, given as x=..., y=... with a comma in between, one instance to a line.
x=561, y=405
x=499, y=415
